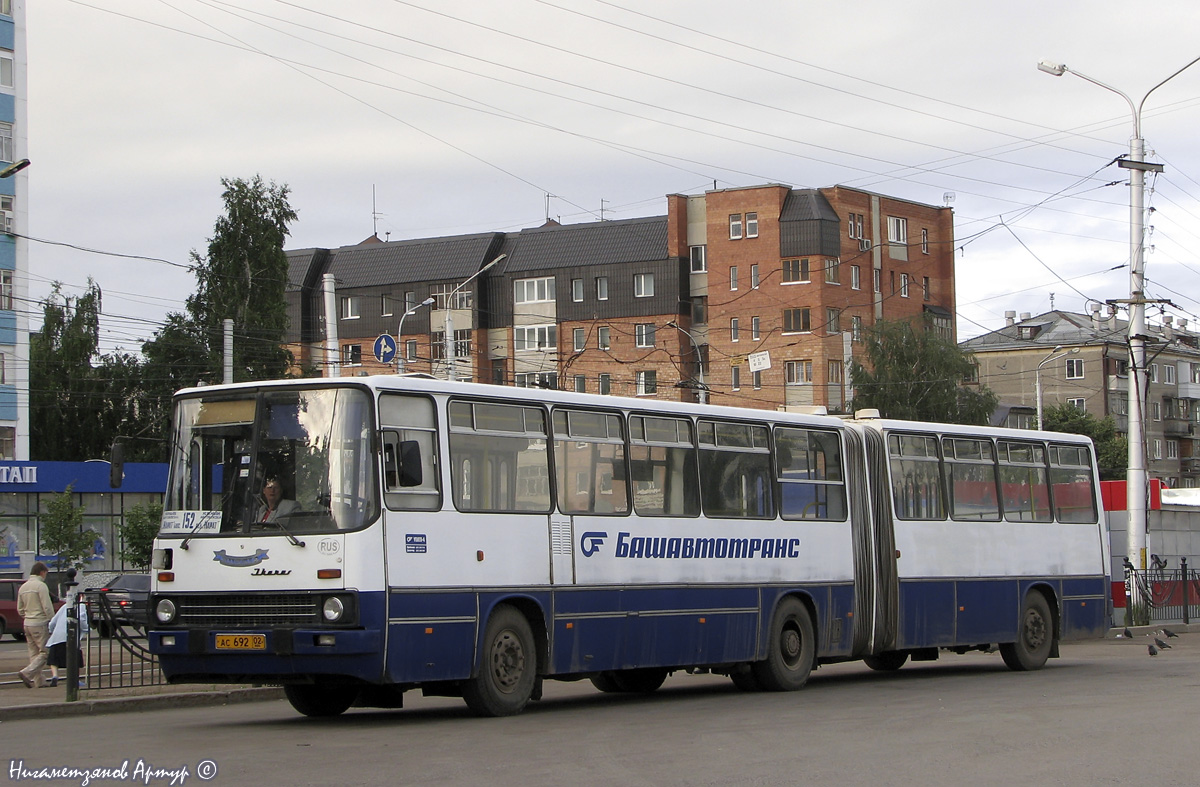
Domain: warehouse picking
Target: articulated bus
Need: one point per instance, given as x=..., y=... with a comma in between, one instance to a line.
x=474, y=540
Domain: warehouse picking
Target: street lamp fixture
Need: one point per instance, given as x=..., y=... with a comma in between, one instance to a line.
x=14, y=168
x=702, y=388
x=400, y=334
x=1037, y=377
x=448, y=339
x=1137, y=486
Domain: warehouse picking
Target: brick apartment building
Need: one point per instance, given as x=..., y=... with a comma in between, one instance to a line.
x=680, y=306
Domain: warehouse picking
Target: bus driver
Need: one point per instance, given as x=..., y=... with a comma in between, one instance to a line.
x=274, y=505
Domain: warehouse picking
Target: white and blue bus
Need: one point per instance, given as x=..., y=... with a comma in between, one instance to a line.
x=475, y=540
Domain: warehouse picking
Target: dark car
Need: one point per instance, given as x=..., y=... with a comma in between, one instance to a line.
x=10, y=621
x=127, y=597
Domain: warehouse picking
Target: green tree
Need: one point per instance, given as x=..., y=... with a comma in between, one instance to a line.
x=915, y=373
x=1112, y=447
x=138, y=532
x=62, y=531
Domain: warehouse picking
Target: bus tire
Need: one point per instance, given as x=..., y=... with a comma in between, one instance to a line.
x=640, y=681
x=507, y=666
x=790, y=650
x=889, y=661
x=605, y=682
x=745, y=680
x=321, y=699
x=1035, y=636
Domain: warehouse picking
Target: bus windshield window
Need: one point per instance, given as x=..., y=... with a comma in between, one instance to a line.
x=297, y=460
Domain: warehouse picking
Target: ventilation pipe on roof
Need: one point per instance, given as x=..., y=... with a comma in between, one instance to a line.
x=1010, y=318
x=329, y=289
x=1025, y=316
x=1183, y=324
x=1112, y=316
x=1168, y=328
x=1097, y=322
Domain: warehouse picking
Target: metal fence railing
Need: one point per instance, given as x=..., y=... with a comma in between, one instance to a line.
x=116, y=655
x=1161, y=594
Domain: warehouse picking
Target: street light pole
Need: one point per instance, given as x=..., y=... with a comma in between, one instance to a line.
x=400, y=334
x=448, y=339
x=699, y=361
x=1137, y=485
x=1037, y=378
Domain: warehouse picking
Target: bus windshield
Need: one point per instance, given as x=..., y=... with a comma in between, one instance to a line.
x=291, y=460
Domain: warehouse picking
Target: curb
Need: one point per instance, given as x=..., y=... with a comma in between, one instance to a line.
x=195, y=699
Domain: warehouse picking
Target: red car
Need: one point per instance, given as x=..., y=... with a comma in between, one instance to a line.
x=10, y=621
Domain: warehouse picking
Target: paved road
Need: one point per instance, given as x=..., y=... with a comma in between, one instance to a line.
x=1106, y=713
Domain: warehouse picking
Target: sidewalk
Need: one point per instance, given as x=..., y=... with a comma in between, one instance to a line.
x=19, y=702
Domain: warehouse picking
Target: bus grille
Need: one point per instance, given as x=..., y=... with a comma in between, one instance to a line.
x=246, y=611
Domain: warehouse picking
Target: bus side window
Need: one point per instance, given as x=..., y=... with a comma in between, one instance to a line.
x=1071, y=484
x=917, y=491
x=1024, y=487
x=808, y=467
x=410, y=466
x=662, y=461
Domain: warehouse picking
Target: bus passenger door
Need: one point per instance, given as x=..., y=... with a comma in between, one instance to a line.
x=562, y=549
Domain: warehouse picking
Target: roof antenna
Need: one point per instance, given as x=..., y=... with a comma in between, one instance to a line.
x=374, y=214
x=549, y=197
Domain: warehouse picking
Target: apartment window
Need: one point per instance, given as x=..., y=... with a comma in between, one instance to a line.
x=833, y=272
x=856, y=328
x=410, y=300
x=604, y=384
x=647, y=383
x=386, y=305
x=410, y=350
x=756, y=377
x=577, y=290
x=735, y=378
x=733, y=329
x=924, y=241
x=462, y=343
x=1169, y=373
x=6, y=9
x=795, y=270
x=6, y=142
x=751, y=225
x=798, y=372
x=735, y=226
x=6, y=68
x=877, y=280
x=854, y=225
x=351, y=354
x=755, y=325
x=351, y=307
x=796, y=321
x=1074, y=368
x=536, y=380
x=6, y=290
x=833, y=321
x=603, y=334
x=643, y=285
x=835, y=372
x=580, y=339
x=897, y=230
x=1156, y=411
x=602, y=288
x=463, y=299
x=643, y=334
x=699, y=261
x=1153, y=372
x=733, y=277
x=925, y=293
x=1172, y=449
x=535, y=337
x=903, y=285
x=580, y=384
x=532, y=290
x=855, y=277
x=1078, y=404
x=699, y=310
x=1195, y=370
x=1157, y=449
x=754, y=277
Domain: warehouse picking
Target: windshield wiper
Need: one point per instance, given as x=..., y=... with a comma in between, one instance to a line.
x=192, y=532
x=295, y=541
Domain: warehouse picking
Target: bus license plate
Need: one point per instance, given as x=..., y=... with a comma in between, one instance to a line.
x=241, y=642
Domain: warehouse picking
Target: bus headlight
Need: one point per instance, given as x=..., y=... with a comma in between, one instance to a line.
x=165, y=610
x=333, y=609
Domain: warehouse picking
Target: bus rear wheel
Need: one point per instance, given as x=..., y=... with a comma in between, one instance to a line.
x=1035, y=636
x=890, y=661
x=640, y=681
x=321, y=699
x=507, y=669
x=790, y=651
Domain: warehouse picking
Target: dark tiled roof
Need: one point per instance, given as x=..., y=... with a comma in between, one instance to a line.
x=305, y=267
x=597, y=243
x=806, y=205
x=426, y=259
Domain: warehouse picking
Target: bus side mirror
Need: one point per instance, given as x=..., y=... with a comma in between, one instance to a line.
x=116, y=469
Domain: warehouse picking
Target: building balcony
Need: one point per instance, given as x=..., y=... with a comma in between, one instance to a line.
x=1189, y=390
x=1176, y=427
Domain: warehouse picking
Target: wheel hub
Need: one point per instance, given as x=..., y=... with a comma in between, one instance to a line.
x=508, y=660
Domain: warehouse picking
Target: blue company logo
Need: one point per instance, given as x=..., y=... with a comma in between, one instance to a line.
x=240, y=561
x=634, y=547
x=589, y=542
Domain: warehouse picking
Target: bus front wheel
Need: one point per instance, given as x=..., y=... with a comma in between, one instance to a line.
x=1035, y=636
x=507, y=669
x=889, y=661
x=790, y=651
x=321, y=699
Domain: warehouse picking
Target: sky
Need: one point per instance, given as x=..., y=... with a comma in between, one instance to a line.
x=419, y=118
